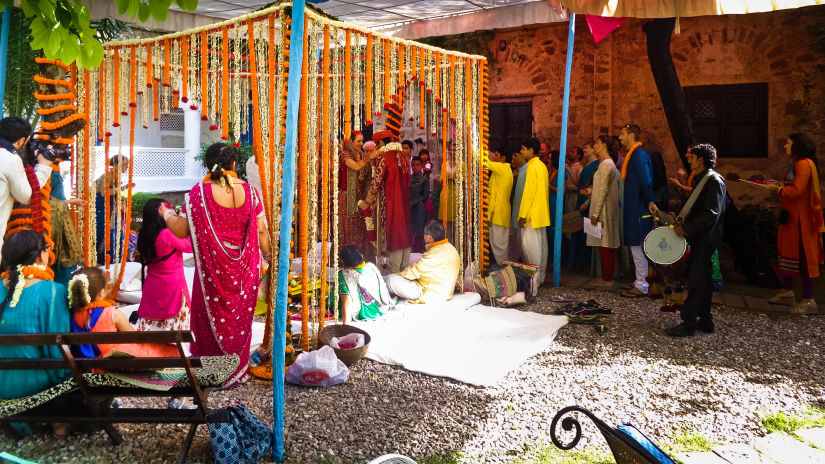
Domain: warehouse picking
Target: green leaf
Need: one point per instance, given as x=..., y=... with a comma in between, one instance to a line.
x=143, y=12
x=158, y=10
x=30, y=7
x=40, y=34
x=70, y=50
x=63, y=14
x=55, y=42
x=187, y=5
x=122, y=6
x=91, y=54
x=46, y=8
x=133, y=7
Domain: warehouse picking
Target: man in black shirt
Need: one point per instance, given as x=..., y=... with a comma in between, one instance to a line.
x=702, y=227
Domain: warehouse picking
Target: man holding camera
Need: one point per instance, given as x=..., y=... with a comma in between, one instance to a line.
x=14, y=185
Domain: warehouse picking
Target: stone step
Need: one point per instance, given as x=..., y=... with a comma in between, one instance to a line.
x=786, y=450
x=705, y=457
x=741, y=454
x=815, y=436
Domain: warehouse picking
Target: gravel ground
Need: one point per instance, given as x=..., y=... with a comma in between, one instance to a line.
x=716, y=384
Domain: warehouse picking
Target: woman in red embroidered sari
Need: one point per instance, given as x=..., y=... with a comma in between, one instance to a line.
x=224, y=216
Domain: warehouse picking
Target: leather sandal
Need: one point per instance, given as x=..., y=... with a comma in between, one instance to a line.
x=633, y=293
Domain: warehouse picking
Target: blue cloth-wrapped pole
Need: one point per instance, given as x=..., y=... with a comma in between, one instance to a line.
x=293, y=99
x=562, y=151
x=4, y=51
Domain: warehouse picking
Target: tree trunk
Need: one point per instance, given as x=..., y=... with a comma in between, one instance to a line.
x=658, y=33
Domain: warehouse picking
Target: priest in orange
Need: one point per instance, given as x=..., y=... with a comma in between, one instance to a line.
x=391, y=176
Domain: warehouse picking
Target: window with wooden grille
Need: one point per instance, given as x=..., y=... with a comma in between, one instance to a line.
x=734, y=118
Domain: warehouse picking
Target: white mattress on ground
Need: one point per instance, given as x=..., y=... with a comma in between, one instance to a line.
x=460, y=339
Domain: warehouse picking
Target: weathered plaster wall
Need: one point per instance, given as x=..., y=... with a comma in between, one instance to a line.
x=612, y=83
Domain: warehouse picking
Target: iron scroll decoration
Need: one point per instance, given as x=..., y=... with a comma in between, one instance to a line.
x=569, y=423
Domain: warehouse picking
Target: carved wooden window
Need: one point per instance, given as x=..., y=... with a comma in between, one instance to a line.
x=734, y=118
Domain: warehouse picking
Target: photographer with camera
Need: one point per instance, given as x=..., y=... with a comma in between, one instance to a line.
x=14, y=182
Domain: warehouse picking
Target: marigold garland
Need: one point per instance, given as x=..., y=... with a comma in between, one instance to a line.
x=167, y=49
x=627, y=158
x=116, y=87
x=225, y=83
x=325, y=157
x=86, y=310
x=452, y=88
x=132, y=77
x=303, y=220
x=204, y=75
x=84, y=181
x=347, y=77
x=56, y=109
x=41, y=60
x=368, y=82
x=387, y=72
x=184, y=68
x=50, y=126
x=46, y=81
x=56, y=96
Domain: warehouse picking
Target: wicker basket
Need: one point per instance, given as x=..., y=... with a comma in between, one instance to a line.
x=348, y=356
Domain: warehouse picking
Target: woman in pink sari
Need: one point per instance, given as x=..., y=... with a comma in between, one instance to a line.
x=224, y=216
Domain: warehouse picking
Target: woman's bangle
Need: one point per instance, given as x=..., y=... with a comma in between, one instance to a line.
x=168, y=213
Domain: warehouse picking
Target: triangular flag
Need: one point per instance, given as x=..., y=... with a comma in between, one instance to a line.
x=601, y=26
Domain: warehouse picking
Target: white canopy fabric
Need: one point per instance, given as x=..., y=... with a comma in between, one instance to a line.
x=680, y=8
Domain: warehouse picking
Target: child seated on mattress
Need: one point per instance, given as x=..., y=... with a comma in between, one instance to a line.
x=91, y=312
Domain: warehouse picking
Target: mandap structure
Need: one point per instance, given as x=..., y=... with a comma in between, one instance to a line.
x=310, y=82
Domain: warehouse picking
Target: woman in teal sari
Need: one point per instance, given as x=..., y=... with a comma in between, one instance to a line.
x=363, y=294
x=30, y=302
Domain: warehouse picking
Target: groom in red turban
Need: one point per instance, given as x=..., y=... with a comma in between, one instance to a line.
x=391, y=172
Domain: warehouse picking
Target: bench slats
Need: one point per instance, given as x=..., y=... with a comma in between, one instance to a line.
x=121, y=415
x=110, y=364
x=171, y=336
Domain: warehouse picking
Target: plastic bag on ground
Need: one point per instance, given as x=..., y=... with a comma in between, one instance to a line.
x=320, y=368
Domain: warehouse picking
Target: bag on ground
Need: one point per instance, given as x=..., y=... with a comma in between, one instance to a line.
x=319, y=368
x=238, y=436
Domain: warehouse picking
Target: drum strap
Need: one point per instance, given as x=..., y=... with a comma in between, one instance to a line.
x=693, y=197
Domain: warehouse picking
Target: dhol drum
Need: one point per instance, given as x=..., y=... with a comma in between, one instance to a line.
x=667, y=250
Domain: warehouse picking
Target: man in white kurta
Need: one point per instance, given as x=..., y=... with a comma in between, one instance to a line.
x=14, y=186
x=432, y=279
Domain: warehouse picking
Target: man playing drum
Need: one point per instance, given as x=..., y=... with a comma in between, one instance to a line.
x=702, y=227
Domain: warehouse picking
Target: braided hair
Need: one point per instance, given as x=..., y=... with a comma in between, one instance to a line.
x=83, y=290
x=20, y=249
x=219, y=157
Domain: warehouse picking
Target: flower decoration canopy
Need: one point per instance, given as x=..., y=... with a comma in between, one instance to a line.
x=680, y=8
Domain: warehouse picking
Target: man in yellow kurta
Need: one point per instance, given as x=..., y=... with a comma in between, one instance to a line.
x=432, y=279
x=501, y=184
x=534, y=211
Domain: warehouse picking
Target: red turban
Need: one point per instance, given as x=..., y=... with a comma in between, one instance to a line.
x=381, y=135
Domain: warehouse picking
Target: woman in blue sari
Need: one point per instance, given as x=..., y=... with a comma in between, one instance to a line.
x=580, y=254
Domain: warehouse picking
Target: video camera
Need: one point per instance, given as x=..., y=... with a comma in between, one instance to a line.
x=47, y=149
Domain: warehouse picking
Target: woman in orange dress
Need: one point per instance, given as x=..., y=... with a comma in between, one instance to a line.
x=801, y=226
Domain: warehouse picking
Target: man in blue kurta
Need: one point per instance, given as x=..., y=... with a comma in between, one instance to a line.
x=636, y=192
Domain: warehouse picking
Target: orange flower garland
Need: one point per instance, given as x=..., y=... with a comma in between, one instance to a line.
x=86, y=195
x=437, y=77
x=50, y=126
x=225, y=86
x=133, y=77
x=56, y=96
x=45, y=81
x=303, y=220
x=452, y=88
x=627, y=158
x=347, y=78
x=368, y=82
x=116, y=87
x=387, y=73
x=166, y=68
x=41, y=60
x=56, y=109
x=32, y=272
x=63, y=140
x=184, y=67
x=124, y=250
x=101, y=100
x=325, y=158
x=422, y=96
x=205, y=75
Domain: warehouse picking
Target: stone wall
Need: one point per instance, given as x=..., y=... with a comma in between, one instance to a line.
x=612, y=83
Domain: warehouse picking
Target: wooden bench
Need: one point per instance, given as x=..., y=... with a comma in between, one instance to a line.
x=626, y=448
x=88, y=397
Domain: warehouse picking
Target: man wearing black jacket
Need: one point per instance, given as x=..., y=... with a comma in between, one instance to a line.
x=703, y=230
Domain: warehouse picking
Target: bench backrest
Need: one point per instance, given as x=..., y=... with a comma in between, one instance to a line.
x=114, y=363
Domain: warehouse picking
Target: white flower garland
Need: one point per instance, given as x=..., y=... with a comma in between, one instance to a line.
x=84, y=280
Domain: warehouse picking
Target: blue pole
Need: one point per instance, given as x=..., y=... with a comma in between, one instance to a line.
x=293, y=99
x=562, y=151
x=4, y=50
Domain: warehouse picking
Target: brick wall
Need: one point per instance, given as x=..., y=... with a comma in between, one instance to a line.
x=612, y=83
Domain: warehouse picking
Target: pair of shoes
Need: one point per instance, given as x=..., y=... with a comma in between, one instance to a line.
x=584, y=318
x=633, y=293
x=597, y=282
x=681, y=330
x=706, y=325
x=627, y=286
x=784, y=297
x=593, y=307
x=805, y=307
